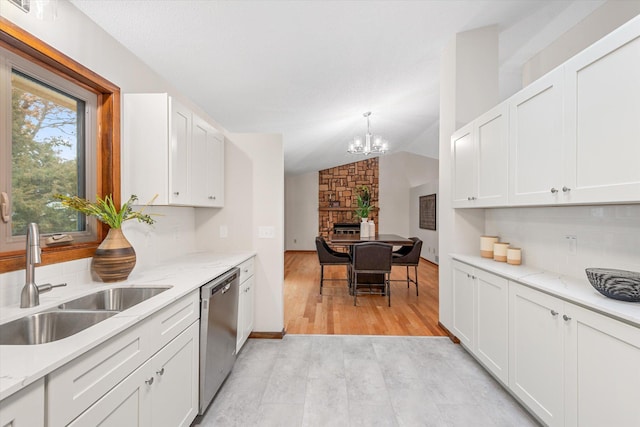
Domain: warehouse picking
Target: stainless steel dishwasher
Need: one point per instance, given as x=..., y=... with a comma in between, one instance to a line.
x=218, y=331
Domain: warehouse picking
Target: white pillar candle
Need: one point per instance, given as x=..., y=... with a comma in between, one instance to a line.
x=486, y=246
x=500, y=251
x=514, y=256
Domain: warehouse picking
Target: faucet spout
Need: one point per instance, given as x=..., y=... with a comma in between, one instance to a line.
x=30, y=294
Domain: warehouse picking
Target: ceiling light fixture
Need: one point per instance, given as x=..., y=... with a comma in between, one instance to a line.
x=373, y=144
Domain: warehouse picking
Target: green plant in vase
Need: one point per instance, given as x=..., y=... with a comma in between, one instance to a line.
x=363, y=199
x=115, y=258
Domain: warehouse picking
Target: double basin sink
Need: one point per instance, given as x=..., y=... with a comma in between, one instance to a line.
x=74, y=316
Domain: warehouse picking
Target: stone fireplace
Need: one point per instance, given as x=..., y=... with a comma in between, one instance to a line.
x=337, y=193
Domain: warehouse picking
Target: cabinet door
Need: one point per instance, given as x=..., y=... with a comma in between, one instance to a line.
x=179, y=154
x=245, y=312
x=24, y=408
x=145, y=139
x=174, y=398
x=207, y=165
x=492, y=320
x=463, y=168
x=536, y=352
x=214, y=173
x=463, y=303
x=127, y=404
x=602, y=370
x=603, y=119
x=492, y=153
x=535, y=142
x=249, y=306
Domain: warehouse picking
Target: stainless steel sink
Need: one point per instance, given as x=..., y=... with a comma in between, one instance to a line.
x=118, y=299
x=74, y=316
x=49, y=326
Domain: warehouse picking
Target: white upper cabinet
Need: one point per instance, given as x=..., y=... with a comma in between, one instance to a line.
x=480, y=160
x=463, y=164
x=535, y=139
x=570, y=137
x=207, y=168
x=171, y=152
x=180, y=153
x=492, y=153
x=602, y=119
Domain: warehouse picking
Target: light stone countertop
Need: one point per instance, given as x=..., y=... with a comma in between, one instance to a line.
x=20, y=365
x=571, y=289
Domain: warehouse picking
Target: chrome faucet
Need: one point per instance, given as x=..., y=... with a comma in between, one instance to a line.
x=30, y=296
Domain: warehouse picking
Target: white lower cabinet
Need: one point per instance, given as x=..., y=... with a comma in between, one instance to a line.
x=572, y=366
x=463, y=303
x=107, y=384
x=162, y=392
x=535, y=352
x=24, y=408
x=480, y=317
x=492, y=323
x=602, y=370
x=246, y=300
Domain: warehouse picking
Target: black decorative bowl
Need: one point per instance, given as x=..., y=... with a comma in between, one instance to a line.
x=617, y=284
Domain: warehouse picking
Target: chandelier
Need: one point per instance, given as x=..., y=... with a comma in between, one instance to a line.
x=372, y=144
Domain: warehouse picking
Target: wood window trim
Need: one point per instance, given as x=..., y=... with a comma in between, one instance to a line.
x=26, y=45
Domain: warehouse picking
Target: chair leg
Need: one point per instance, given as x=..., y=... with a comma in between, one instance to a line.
x=389, y=288
x=416, y=272
x=408, y=277
x=355, y=288
x=321, y=277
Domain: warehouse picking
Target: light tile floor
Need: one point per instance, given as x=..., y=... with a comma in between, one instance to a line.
x=332, y=380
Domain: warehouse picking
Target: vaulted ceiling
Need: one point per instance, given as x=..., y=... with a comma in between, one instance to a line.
x=309, y=69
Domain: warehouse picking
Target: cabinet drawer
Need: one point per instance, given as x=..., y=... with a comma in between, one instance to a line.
x=77, y=385
x=171, y=321
x=246, y=269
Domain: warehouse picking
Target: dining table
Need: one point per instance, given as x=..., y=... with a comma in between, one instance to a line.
x=352, y=239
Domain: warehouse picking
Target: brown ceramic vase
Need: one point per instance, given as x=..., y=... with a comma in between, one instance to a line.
x=115, y=258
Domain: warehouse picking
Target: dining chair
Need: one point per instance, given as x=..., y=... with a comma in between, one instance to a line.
x=409, y=256
x=371, y=268
x=328, y=256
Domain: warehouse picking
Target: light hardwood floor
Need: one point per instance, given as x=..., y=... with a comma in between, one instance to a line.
x=308, y=312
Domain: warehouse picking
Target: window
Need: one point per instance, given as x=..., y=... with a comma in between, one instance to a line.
x=50, y=149
x=59, y=133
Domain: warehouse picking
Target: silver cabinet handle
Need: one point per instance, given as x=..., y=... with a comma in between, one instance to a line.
x=554, y=190
x=212, y=197
x=160, y=372
x=246, y=270
x=176, y=193
x=554, y=313
x=566, y=318
x=471, y=198
x=149, y=381
x=565, y=189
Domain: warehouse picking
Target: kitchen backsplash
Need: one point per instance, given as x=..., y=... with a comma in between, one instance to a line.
x=569, y=239
x=172, y=235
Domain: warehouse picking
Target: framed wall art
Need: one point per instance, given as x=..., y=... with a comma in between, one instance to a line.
x=428, y=212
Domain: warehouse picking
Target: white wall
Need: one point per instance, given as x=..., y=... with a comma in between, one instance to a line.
x=429, y=237
x=601, y=22
x=606, y=236
x=254, y=198
x=301, y=212
x=398, y=173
